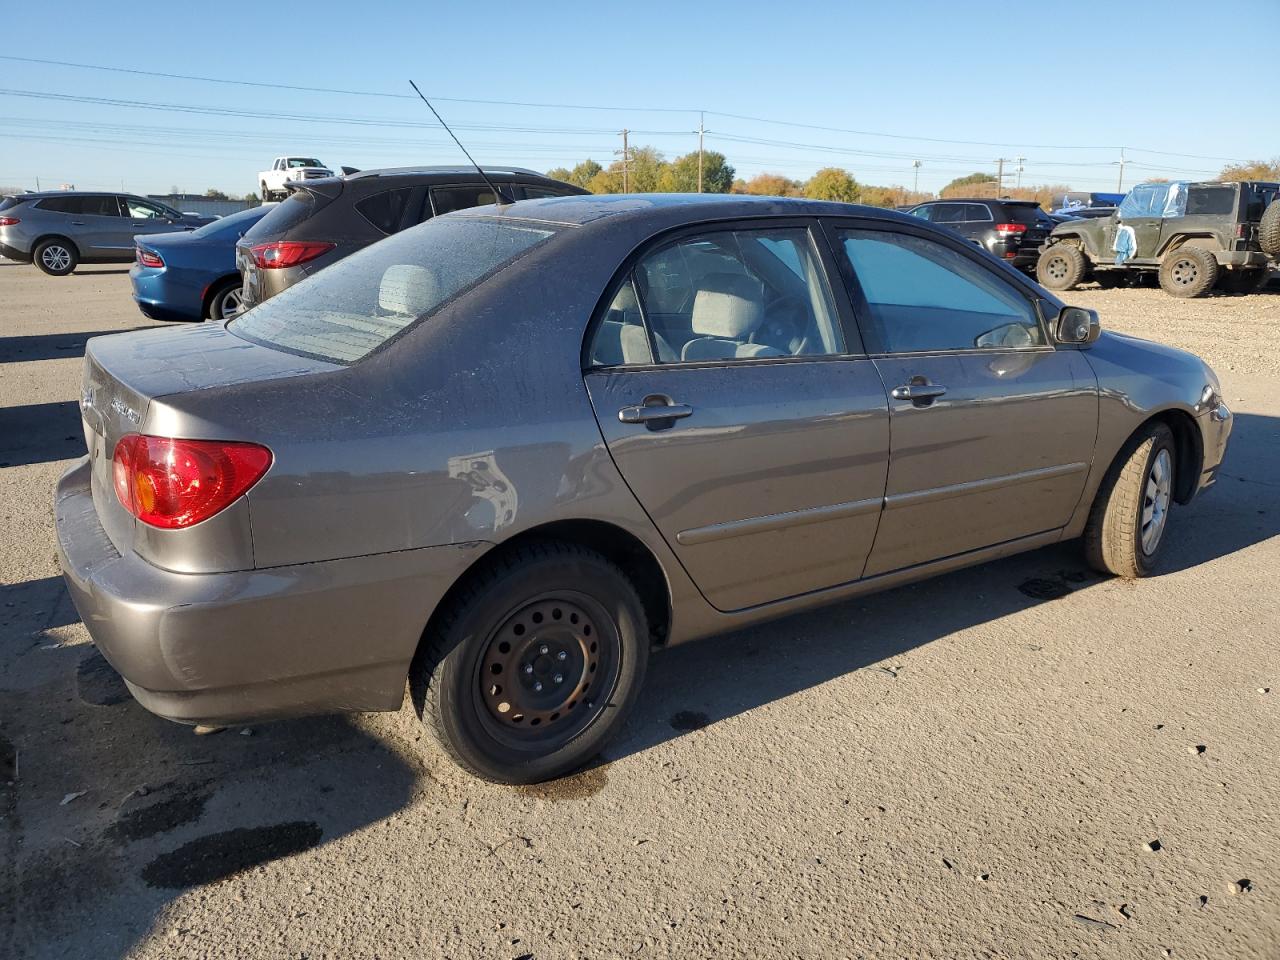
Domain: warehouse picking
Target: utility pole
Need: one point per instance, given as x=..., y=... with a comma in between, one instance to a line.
x=1000, y=161
x=1019, y=170
x=1120, y=182
x=915, y=182
x=625, y=162
x=702, y=128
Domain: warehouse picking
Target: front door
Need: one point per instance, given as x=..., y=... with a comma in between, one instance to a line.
x=753, y=435
x=992, y=428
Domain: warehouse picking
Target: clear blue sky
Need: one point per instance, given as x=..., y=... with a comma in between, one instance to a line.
x=1062, y=85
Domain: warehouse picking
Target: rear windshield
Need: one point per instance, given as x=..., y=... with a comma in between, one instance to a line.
x=346, y=311
x=286, y=215
x=236, y=223
x=1028, y=213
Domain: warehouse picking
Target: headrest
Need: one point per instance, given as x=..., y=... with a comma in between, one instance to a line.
x=407, y=289
x=728, y=305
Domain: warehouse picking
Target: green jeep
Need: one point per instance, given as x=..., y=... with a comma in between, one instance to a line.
x=1194, y=236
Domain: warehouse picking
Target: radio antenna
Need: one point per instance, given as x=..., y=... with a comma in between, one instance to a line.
x=498, y=195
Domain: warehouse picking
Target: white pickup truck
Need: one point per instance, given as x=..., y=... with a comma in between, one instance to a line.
x=271, y=182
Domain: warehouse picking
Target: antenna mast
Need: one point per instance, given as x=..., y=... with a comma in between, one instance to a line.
x=498, y=195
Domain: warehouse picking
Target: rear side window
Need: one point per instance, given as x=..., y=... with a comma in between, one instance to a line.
x=8, y=202
x=287, y=215
x=538, y=193
x=82, y=206
x=447, y=199
x=385, y=210
x=62, y=204
x=358, y=304
x=1211, y=201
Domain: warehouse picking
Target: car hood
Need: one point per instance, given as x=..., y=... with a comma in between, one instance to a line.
x=1118, y=355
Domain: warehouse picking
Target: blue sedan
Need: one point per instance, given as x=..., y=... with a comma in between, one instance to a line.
x=191, y=276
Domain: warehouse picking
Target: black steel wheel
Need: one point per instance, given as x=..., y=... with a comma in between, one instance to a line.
x=530, y=668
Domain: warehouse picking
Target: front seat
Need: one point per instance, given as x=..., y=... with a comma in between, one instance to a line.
x=727, y=309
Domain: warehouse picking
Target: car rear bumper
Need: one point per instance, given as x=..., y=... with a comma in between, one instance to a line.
x=157, y=299
x=13, y=253
x=1242, y=258
x=227, y=647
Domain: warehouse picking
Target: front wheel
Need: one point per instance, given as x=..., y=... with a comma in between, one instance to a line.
x=1061, y=267
x=533, y=666
x=1127, y=523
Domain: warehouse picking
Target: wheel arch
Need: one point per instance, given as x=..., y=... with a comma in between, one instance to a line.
x=212, y=289
x=1205, y=241
x=619, y=546
x=1188, y=448
x=45, y=238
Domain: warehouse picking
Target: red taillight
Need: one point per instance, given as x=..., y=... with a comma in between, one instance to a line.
x=9, y=221
x=287, y=253
x=149, y=258
x=172, y=483
x=1007, y=229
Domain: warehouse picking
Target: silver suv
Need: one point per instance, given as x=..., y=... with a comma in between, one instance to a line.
x=58, y=230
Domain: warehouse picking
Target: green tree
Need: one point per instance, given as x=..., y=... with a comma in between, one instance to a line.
x=832, y=183
x=582, y=174
x=252, y=199
x=681, y=174
x=1253, y=170
x=559, y=173
x=979, y=184
x=214, y=194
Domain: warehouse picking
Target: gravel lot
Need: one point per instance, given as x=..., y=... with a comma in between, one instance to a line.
x=978, y=766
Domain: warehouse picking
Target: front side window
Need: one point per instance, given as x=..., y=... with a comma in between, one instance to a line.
x=447, y=199
x=922, y=296
x=357, y=304
x=924, y=213
x=142, y=210
x=725, y=295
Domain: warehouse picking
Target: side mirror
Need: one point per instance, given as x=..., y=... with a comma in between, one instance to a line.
x=1076, y=325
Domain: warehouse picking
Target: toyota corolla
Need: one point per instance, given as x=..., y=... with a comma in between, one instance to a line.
x=501, y=456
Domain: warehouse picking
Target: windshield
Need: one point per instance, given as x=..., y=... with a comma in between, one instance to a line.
x=304, y=162
x=345, y=312
x=235, y=222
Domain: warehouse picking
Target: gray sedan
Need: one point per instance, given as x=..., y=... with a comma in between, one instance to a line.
x=506, y=453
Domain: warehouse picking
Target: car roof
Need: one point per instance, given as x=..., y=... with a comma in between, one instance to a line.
x=42, y=194
x=451, y=170
x=666, y=208
x=1008, y=200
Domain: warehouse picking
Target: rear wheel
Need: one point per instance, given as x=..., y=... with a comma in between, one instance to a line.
x=226, y=301
x=1131, y=510
x=1061, y=267
x=532, y=668
x=1188, y=272
x=56, y=257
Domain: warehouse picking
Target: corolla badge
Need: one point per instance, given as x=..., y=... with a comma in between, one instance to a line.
x=126, y=411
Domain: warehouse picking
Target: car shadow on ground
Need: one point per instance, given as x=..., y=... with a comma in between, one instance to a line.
x=694, y=685
x=51, y=346
x=40, y=433
x=108, y=812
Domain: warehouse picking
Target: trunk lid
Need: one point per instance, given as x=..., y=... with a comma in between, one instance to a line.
x=124, y=373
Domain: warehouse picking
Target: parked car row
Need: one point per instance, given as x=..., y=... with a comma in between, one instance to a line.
x=502, y=454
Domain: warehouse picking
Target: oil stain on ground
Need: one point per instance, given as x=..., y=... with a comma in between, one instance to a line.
x=577, y=787
x=221, y=855
x=687, y=720
x=98, y=683
x=165, y=814
x=1038, y=588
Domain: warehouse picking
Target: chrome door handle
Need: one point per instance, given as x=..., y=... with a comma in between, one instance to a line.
x=918, y=392
x=648, y=413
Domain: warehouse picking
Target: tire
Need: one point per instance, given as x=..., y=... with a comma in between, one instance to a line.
x=489, y=694
x=1243, y=281
x=1116, y=538
x=217, y=303
x=56, y=256
x=1061, y=267
x=1188, y=272
x=266, y=194
x=1269, y=231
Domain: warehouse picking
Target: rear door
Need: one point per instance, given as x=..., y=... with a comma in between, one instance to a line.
x=93, y=223
x=993, y=428
x=733, y=395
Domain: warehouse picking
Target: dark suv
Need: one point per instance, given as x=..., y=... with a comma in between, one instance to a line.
x=1193, y=236
x=323, y=221
x=1011, y=230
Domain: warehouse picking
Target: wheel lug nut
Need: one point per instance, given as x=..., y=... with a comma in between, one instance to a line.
x=528, y=668
x=562, y=655
x=559, y=678
x=538, y=687
x=543, y=649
